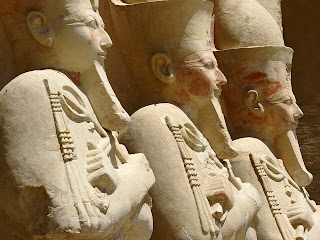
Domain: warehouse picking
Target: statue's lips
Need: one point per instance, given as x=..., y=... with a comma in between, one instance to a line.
x=102, y=54
x=294, y=124
x=217, y=92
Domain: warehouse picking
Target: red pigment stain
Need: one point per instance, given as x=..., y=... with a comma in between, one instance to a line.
x=183, y=75
x=93, y=36
x=252, y=118
x=183, y=93
x=275, y=87
x=272, y=114
x=74, y=76
x=275, y=69
x=194, y=81
x=255, y=77
x=183, y=96
x=221, y=194
x=199, y=87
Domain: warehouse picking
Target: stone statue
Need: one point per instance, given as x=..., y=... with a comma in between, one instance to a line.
x=259, y=102
x=243, y=23
x=168, y=49
x=64, y=173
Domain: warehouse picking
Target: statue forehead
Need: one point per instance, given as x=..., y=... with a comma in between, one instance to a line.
x=255, y=74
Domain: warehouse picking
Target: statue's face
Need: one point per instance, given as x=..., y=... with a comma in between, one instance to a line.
x=282, y=111
x=198, y=76
x=80, y=38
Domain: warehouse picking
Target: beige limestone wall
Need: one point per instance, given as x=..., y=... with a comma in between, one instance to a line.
x=301, y=21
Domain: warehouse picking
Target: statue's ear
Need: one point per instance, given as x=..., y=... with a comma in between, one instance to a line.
x=162, y=67
x=253, y=104
x=39, y=28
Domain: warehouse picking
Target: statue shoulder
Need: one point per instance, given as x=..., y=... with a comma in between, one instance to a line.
x=31, y=84
x=251, y=145
x=160, y=110
x=148, y=133
x=242, y=165
x=25, y=105
x=150, y=123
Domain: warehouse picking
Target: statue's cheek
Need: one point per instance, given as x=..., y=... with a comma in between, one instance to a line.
x=194, y=81
x=199, y=85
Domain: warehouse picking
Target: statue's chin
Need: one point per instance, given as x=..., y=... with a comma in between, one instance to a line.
x=104, y=102
x=287, y=148
x=213, y=126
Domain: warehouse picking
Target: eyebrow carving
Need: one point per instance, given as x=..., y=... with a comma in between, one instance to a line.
x=279, y=97
x=83, y=20
x=198, y=62
x=76, y=24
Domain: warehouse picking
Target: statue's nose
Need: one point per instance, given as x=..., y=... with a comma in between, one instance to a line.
x=298, y=112
x=106, y=40
x=220, y=78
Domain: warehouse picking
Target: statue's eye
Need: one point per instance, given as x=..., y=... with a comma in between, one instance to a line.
x=209, y=65
x=92, y=23
x=287, y=101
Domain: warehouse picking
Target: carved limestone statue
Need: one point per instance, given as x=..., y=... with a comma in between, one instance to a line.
x=63, y=175
x=259, y=102
x=196, y=196
x=243, y=24
x=169, y=53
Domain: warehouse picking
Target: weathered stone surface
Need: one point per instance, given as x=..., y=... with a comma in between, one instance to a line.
x=259, y=102
x=170, y=57
x=64, y=174
x=274, y=8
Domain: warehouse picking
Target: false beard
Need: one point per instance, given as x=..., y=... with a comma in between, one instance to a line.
x=287, y=148
x=103, y=100
x=213, y=126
